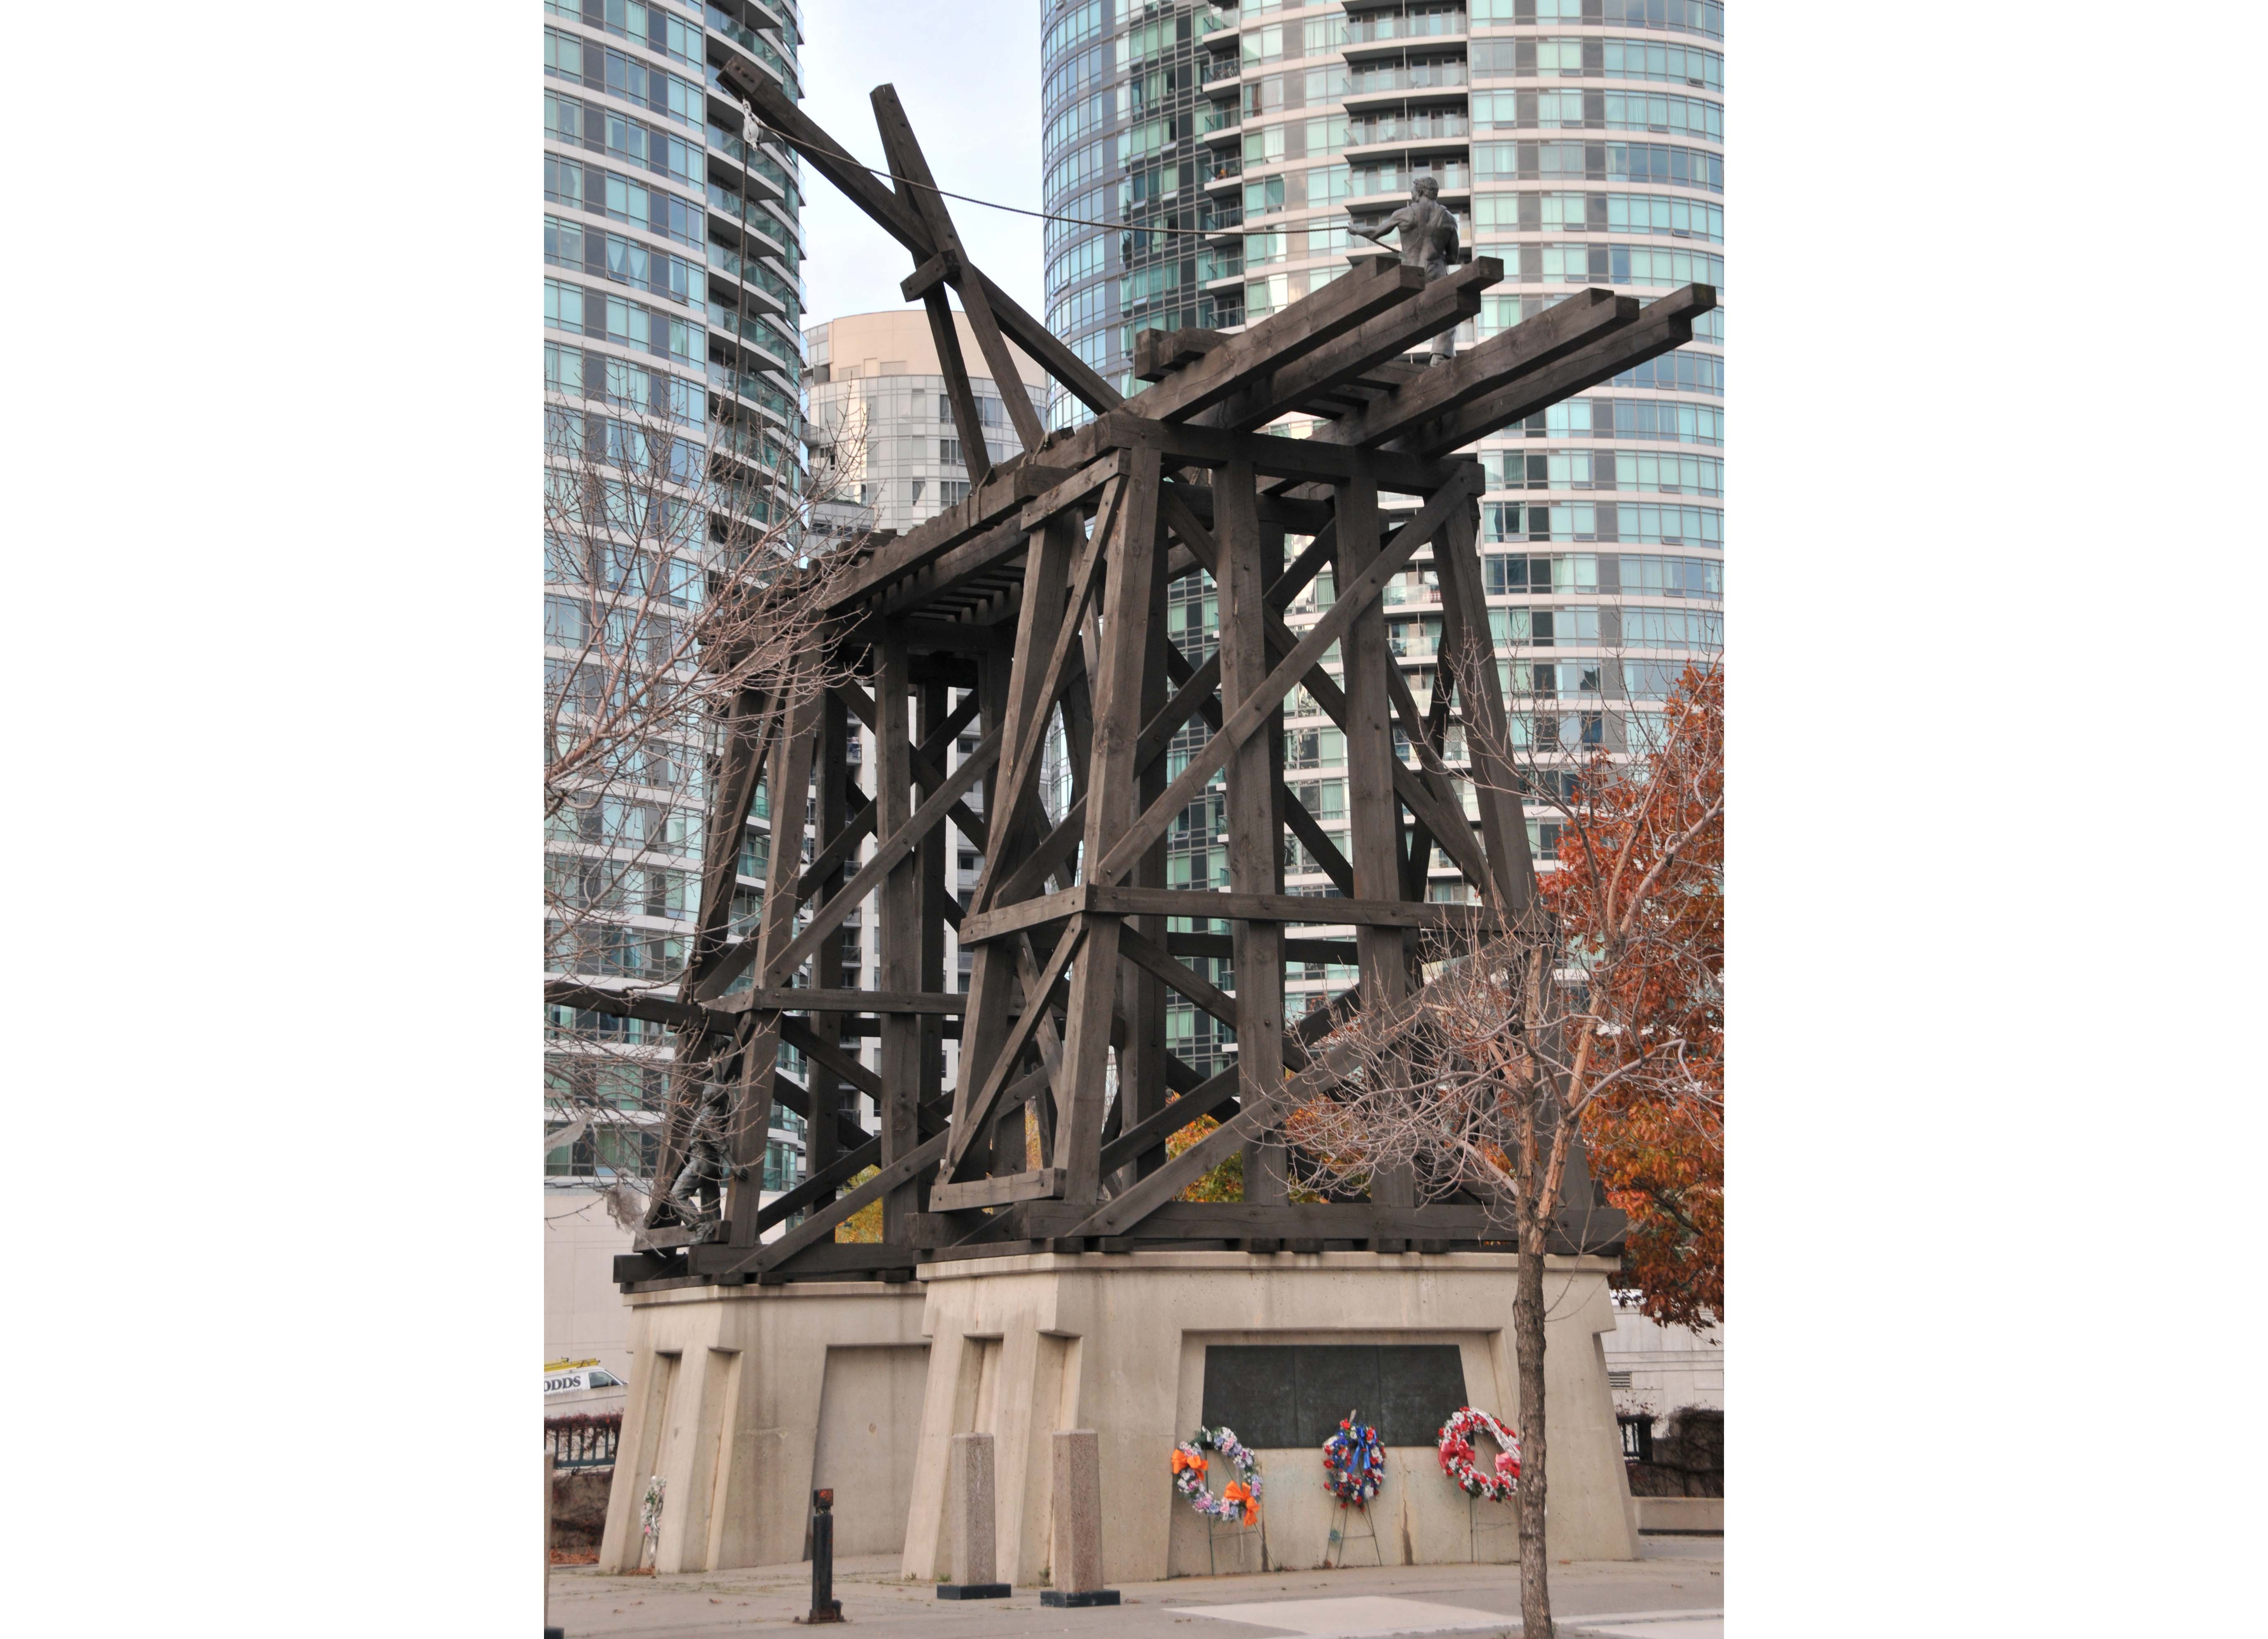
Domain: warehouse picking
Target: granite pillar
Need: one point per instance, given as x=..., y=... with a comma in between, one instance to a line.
x=1075, y=1556
x=975, y=1558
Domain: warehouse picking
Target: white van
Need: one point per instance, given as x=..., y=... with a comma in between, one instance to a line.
x=573, y=1387
x=575, y=1379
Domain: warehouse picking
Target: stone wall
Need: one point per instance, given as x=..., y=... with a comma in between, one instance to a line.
x=1689, y=1457
x=579, y=1508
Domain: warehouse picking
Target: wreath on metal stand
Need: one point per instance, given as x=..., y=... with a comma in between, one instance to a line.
x=1354, y=1463
x=1239, y=1501
x=1456, y=1449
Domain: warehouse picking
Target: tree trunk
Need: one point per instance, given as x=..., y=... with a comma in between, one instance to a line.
x=1527, y=1344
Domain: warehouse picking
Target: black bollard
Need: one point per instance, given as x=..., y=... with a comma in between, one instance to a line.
x=825, y=1607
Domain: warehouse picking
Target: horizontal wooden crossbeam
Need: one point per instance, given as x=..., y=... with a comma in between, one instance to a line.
x=1117, y=900
x=1660, y=328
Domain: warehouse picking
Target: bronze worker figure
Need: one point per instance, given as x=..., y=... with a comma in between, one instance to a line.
x=1429, y=240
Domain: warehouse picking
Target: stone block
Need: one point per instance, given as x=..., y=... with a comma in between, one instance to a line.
x=975, y=1558
x=1680, y=1515
x=1076, y=1556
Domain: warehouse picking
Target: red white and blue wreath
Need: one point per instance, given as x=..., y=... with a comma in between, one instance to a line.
x=1239, y=1501
x=1457, y=1456
x=1354, y=1463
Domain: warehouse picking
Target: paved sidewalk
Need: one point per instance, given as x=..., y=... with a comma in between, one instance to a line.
x=1675, y=1591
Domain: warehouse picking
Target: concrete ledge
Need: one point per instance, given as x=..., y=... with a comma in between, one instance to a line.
x=1680, y=1515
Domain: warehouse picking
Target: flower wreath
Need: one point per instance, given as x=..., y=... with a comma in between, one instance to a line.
x=1240, y=1500
x=1457, y=1455
x=1354, y=1463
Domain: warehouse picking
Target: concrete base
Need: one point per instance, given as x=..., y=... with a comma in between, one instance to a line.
x=1680, y=1515
x=974, y=1590
x=1022, y=1347
x=745, y=1399
x=1062, y=1601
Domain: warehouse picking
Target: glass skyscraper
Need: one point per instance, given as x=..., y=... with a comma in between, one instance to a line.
x=1580, y=143
x=673, y=296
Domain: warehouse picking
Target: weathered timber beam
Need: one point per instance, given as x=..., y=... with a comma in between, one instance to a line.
x=929, y=760
x=861, y=1025
x=830, y=1055
x=791, y=1093
x=1348, y=302
x=1318, y=842
x=929, y=275
x=1150, y=956
x=1220, y=945
x=1081, y=488
x=987, y=1103
x=1303, y=570
x=1303, y=909
x=1440, y=306
x=830, y=916
x=1660, y=328
x=826, y=1181
x=1040, y=1183
x=821, y=1224
x=1195, y=694
x=750, y=730
x=837, y=1260
x=837, y=849
x=1260, y=1106
x=1336, y=1220
x=1179, y=444
x=784, y=998
x=998, y=497
x=1513, y=354
x=1207, y=1097
x=952, y=570
x=947, y=636
x=1443, y=821
x=651, y=1008
x=909, y=164
x=1020, y=770
x=832, y=161
x=1061, y=842
x=1462, y=483
x=1160, y=353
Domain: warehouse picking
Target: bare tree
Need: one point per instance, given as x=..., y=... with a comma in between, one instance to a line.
x=677, y=579
x=1606, y=995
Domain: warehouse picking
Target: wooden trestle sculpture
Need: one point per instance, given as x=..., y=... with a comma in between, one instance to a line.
x=1046, y=591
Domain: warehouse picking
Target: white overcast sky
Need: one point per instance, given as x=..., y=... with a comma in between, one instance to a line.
x=968, y=74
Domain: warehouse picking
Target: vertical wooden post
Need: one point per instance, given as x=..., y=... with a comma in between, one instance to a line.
x=934, y=855
x=828, y=1090
x=1465, y=637
x=1002, y=1149
x=992, y=974
x=1373, y=814
x=751, y=1108
x=1142, y=1088
x=1117, y=695
x=1256, y=847
x=900, y=929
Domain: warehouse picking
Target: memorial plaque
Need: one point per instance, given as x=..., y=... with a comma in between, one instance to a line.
x=1250, y=1389
x=1279, y=1395
x=1331, y=1382
x=1420, y=1387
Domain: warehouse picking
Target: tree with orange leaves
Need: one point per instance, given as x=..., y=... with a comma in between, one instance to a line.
x=1640, y=878
x=1590, y=1006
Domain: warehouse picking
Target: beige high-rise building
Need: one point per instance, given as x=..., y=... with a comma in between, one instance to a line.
x=880, y=422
